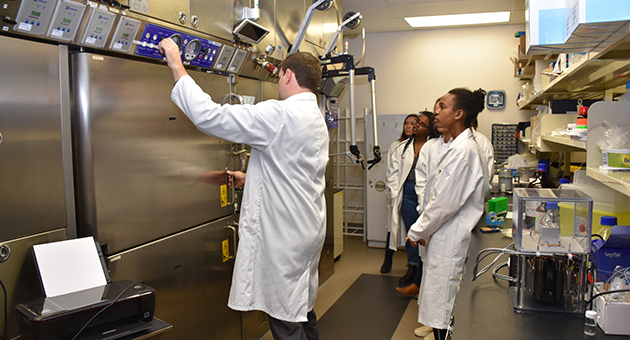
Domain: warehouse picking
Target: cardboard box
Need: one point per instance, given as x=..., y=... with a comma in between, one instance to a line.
x=615, y=251
x=612, y=315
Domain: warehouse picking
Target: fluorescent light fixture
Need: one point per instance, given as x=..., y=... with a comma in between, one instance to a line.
x=459, y=19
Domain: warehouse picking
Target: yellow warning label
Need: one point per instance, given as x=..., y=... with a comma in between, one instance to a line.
x=224, y=195
x=225, y=245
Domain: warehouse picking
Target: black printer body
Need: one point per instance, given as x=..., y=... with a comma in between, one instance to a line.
x=131, y=306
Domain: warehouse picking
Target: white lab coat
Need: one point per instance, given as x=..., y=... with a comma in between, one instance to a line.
x=283, y=218
x=453, y=208
x=399, y=165
x=487, y=156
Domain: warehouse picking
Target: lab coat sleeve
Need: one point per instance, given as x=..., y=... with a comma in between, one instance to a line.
x=255, y=125
x=393, y=168
x=453, y=188
x=421, y=175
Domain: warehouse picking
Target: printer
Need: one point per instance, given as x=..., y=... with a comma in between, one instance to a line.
x=119, y=308
x=80, y=301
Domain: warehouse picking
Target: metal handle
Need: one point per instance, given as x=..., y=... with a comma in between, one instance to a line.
x=233, y=189
x=234, y=238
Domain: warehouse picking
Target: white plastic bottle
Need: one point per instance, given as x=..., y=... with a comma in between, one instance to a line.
x=626, y=96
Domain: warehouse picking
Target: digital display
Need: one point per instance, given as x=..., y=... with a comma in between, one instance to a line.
x=67, y=21
x=98, y=29
x=125, y=35
x=35, y=14
x=250, y=31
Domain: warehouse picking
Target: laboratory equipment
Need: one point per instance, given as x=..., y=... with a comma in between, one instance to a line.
x=606, y=222
x=590, y=323
x=505, y=180
x=547, y=269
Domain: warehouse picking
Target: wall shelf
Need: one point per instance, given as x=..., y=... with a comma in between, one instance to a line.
x=605, y=68
x=616, y=113
x=565, y=143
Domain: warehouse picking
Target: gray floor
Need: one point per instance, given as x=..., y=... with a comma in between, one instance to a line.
x=357, y=258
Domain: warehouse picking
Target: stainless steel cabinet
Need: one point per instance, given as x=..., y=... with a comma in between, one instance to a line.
x=191, y=279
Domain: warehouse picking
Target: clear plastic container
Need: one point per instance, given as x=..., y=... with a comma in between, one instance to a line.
x=578, y=218
x=590, y=323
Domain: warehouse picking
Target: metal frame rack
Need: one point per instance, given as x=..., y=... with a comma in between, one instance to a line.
x=504, y=141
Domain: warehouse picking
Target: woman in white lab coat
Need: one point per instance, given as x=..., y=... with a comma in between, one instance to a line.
x=407, y=132
x=404, y=201
x=453, y=208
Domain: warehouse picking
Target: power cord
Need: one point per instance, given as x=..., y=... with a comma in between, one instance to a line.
x=6, y=325
x=103, y=309
x=590, y=302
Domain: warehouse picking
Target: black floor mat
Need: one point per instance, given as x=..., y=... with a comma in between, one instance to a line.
x=370, y=309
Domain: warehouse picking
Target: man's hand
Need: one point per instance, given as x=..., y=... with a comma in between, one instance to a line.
x=236, y=178
x=422, y=242
x=170, y=50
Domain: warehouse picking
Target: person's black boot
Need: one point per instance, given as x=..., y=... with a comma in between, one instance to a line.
x=387, y=263
x=407, y=279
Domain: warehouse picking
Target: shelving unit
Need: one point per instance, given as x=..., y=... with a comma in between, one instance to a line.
x=346, y=170
x=617, y=113
x=604, y=71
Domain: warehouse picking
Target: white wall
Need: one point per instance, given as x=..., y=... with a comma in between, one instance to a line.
x=414, y=68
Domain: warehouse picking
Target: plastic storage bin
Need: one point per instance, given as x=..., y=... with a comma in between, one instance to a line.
x=606, y=202
x=579, y=221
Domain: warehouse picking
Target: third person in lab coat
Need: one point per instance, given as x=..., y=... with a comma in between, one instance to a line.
x=453, y=208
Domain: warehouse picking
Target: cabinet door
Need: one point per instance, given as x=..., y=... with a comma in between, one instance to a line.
x=191, y=280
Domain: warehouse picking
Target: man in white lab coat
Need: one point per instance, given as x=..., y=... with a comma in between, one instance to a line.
x=283, y=216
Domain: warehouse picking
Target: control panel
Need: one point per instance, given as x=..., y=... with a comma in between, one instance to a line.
x=238, y=61
x=224, y=58
x=66, y=20
x=34, y=16
x=194, y=51
x=98, y=28
x=124, y=35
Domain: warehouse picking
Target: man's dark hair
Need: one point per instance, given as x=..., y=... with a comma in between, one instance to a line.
x=306, y=67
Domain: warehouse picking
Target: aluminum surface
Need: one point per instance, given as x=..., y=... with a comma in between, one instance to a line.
x=31, y=169
x=191, y=280
x=139, y=159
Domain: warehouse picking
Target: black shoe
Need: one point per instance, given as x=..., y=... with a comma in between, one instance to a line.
x=387, y=263
x=407, y=279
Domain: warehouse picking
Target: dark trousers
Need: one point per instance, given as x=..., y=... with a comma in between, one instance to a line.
x=284, y=330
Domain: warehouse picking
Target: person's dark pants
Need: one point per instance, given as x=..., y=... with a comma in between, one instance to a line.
x=284, y=330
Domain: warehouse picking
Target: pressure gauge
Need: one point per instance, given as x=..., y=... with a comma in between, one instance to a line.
x=177, y=39
x=192, y=50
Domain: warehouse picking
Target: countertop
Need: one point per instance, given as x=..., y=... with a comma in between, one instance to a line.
x=483, y=308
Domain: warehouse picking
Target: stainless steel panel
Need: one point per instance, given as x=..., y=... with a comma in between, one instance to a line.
x=289, y=15
x=323, y=27
x=255, y=325
x=191, y=280
x=19, y=274
x=140, y=161
x=167, y=10
x=31, y=166
x=214, y=17
x=269, y=91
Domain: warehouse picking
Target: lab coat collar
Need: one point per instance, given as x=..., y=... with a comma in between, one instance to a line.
x=302, y=96
x=465, y=135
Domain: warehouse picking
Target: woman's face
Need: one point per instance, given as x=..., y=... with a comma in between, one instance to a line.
x=408, y=126
x=445, y=113
x=421, y=127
